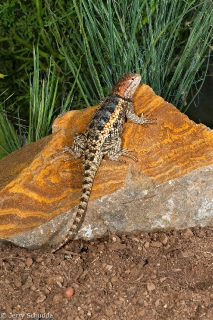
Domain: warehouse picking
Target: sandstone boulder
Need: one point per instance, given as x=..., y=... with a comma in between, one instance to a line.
x=170, y=187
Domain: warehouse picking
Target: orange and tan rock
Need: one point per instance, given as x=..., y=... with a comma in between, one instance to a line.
x=169, y=187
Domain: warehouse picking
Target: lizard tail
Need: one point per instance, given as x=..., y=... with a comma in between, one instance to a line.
x=90, y=169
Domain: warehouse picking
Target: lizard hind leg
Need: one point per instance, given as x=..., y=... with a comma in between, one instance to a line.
x=112, y=147
x=78, y=146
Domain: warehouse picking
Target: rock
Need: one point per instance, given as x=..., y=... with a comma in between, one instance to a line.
x=156, y=244
x=188, y=233
x=170, y=187
x=150, y=286
x=201, y=234
x=164, y=239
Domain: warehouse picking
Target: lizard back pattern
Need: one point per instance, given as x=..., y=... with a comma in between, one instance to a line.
x=102, y=138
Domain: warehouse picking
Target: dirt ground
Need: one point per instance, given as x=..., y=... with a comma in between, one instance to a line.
x=151, y=276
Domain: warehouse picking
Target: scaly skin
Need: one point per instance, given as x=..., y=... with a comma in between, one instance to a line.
x=103, y=137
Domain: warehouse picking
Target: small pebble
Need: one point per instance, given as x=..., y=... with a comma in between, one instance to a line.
x=150, y=286
x=41, y=298
x=164, y=239
x=156, y=244
x=201, y=234
x=146, y=245
x=69, y=292
x=187, y=233
x=29, y=262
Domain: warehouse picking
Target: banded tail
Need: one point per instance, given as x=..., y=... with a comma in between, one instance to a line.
x=90, y=169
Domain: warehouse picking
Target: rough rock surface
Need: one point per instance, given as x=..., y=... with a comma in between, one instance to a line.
x=170, y=187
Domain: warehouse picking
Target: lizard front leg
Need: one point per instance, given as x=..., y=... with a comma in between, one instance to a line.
x=112, y=147
x=130, y=114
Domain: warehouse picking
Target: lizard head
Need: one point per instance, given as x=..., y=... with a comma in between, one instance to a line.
x=126, y=85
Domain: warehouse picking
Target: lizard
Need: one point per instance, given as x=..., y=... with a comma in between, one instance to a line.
x=102, y=138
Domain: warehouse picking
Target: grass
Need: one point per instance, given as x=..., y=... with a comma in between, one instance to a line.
x=153, y=38
x=43, y=93
x=85, y=46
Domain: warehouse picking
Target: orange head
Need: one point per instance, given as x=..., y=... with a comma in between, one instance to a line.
x=126, y=85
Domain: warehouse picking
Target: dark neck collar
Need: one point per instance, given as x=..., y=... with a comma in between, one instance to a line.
x=120, y=97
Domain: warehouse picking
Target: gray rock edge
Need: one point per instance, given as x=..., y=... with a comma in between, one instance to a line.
x=141, y=205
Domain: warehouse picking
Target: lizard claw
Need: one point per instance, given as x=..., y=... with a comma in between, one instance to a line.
x=147, y=119
x=74, y=155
